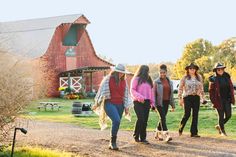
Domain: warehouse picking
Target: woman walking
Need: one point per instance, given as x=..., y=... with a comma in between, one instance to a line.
x=142, y=95
x=163, y=92
x=112, y=99
x=222, y=96
x=190, y=93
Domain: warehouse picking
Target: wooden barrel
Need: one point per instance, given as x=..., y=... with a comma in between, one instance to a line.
x=77, y=108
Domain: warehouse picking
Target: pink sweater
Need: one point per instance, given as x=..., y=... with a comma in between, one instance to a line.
x=142, y=91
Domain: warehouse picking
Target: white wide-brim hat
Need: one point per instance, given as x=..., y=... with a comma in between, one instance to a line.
x=120, y=68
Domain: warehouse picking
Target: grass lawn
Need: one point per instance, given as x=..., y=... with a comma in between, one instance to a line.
x=34, y=152
x=207, y=118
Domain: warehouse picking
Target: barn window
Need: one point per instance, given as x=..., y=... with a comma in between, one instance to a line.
x=71, y=38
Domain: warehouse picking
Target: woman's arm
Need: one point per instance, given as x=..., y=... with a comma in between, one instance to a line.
x=155, y=94
x=202, y=94
x=180, y=91
x=134, y=92
x=181, y=88
x=232, y=92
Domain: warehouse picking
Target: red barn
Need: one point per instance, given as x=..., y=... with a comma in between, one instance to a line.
x=58, y=46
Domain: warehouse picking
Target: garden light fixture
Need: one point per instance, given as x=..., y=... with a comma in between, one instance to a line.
x=14, y=138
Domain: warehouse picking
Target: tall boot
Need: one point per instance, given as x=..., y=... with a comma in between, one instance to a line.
x=158, y=135
x=167, y=136
x=112, y=144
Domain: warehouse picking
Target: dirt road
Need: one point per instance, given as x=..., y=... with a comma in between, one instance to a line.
x=92, y=142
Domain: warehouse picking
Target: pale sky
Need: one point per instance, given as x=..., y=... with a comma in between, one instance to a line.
x=138, y=31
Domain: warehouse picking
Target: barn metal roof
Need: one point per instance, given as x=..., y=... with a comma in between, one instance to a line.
x=31, y=38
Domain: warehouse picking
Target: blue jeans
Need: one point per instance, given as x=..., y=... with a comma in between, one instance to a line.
x=114, y=112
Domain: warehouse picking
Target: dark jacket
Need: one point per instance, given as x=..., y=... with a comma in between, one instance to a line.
x=214, y=91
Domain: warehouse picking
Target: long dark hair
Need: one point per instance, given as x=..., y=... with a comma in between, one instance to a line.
x=143, y=75
x=115, y=75
x=196, y=74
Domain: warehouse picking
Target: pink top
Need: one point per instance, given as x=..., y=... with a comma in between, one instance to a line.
x=142, y=91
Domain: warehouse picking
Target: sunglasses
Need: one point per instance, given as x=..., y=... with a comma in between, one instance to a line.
x=221, y=69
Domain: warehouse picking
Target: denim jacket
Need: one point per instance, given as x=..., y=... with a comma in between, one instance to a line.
x=158, y=92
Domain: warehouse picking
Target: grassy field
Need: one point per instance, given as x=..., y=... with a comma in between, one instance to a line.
x=34, y=152
x=207, y=118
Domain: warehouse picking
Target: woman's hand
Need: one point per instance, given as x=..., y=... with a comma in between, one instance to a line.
x=204, y=102
x=153, y=108
x=141, y=100
x=94, y=107
x=126, y=111
x=181, y=102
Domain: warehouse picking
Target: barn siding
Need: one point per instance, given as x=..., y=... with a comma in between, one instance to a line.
x=53, y=62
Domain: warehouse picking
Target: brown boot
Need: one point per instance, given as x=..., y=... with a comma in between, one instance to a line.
x=112, y=144
x=158, y=135
x=218, y=129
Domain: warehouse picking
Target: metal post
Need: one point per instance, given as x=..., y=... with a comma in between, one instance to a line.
x=13, y=144
x=14, y=138
x=91, y=82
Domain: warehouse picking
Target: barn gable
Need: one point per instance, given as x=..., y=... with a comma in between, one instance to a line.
x=55, y=45
x=31, y=38
x=58, y=47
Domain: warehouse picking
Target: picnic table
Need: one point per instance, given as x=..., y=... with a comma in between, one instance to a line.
x=52, y=105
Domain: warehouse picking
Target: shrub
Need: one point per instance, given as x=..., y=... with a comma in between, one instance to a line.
x=15, y=90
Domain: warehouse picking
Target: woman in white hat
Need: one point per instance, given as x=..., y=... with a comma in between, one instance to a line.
x=222, y=96
x=113, y=98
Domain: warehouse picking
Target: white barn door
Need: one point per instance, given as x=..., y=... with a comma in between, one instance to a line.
x=75, y=83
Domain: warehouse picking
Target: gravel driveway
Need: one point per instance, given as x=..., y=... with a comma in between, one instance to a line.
x=93, y=142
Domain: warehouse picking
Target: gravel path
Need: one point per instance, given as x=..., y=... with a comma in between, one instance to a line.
x=93, y=142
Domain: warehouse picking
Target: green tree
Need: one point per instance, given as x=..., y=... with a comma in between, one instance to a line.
x=199, y=51
x=227, y=53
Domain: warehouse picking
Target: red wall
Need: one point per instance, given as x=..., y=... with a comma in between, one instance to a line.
x=53, y=62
